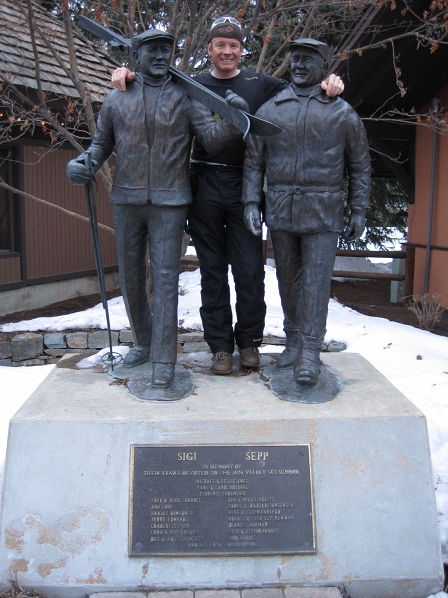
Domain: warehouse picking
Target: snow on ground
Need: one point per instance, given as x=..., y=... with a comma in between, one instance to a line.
x=93, y=317
x=415, y=361
x=16, y=384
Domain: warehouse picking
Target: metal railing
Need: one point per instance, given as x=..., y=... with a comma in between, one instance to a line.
x=369, y=275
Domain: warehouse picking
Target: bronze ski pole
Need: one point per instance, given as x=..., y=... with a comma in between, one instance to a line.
x=111, y=358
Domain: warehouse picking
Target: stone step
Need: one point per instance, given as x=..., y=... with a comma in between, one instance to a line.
x=31, y=348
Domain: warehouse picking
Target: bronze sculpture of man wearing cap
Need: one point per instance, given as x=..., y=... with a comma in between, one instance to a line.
x=304, y=167
x=151, y=127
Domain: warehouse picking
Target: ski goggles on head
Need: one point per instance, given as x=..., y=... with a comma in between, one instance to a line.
x=226, y=26
x=226, y=19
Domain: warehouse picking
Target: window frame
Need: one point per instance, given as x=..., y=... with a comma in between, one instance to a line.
x=9, y=156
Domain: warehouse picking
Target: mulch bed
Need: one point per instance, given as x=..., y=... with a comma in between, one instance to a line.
x=17, y=592
x=372, y=298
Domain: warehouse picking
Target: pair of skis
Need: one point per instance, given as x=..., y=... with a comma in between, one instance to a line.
x=245, y=122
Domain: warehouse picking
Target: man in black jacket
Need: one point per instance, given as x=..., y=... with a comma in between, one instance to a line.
x=304, y=167
x=151, y=127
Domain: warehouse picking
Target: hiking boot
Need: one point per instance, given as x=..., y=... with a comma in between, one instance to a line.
x=136, y=356
x=162, y=375
x=222, y=363
x=250, y=357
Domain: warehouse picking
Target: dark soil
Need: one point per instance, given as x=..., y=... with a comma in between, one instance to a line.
x=59, y=309
x=372, y=298
x=55, y=309
x=367, y=297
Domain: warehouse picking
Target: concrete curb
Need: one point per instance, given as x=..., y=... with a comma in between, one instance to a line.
x=278, y=592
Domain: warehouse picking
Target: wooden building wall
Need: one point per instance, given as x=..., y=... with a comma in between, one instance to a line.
x=10, y=270
x=55, y=245
x=418, y=213
x=58, y=243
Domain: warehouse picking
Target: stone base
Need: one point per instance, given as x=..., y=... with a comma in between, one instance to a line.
x=282, y=383
x=64, y=520
x=138, y=382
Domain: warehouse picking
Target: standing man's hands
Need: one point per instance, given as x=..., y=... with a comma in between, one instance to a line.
x=121, y=76
x=252, y=218
x=333, y=86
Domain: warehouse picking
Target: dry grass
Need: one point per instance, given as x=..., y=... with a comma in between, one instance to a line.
x=17, y=592
x=427, y=309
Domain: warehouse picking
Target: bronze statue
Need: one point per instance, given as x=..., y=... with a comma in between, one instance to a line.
x=151, y=127
x=304, y=167
x=216, y=216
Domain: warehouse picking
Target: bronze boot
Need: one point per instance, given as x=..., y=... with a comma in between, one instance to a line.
x=307, y=367
x=292, y=350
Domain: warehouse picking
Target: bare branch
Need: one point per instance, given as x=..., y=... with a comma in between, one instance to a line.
x=33, y=26
x=53, y=206
x=43, y=112
x=266, y=41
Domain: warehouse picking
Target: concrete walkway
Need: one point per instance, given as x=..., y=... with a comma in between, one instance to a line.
x=280, y=592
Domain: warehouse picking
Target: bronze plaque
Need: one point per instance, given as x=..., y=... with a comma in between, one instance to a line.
x=221, y=500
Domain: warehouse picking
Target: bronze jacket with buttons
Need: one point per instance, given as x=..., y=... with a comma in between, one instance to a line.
x=305, y=164
x=159, y=176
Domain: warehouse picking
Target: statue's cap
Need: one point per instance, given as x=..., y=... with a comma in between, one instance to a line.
x=313, y=44
x=151, y=35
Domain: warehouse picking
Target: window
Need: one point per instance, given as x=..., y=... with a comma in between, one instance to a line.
x=9, y=206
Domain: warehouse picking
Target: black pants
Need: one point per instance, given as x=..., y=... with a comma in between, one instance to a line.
x=216, y=224
x=304, y=266
x=161, y=228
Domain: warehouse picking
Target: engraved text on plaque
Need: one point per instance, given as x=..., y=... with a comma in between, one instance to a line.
x=221, y=500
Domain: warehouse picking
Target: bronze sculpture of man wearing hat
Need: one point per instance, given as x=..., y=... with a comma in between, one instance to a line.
x=151, y=127
x=305, y=164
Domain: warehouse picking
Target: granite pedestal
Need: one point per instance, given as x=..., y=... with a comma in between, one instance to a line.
x=64, y=521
